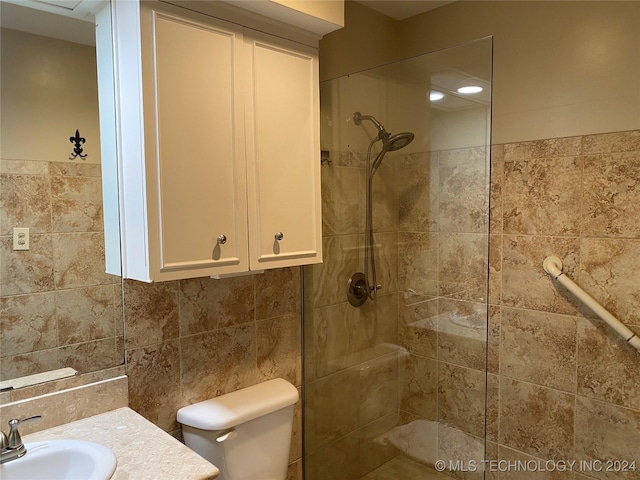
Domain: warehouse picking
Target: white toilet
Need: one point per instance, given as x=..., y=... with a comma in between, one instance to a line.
x=246, y=433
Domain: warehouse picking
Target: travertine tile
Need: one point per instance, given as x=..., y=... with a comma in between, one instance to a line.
x=492, y=408
x=610, y=194
x=118, y=311
x=76, y=204
x=517, y=465
x=462, y=333
x=341, y=202
x=455, y=445
x=338, y=460
x=26, y=271
x=218, y=362
x=278, y=293
x=91, y=356
x=208, y=304
x=341, y=336
x=418, y=325
x=24, y=167
x=462, y=266
x=608, y=271
x=608, y=433
x=279, y=349
x=378, y=327
x=539, y=347
x=331, y=408
x=67, y=406
x=417, y=264
x=541, y=196
x=536, y=420
x=418, y=179
x=491, y=455
x=73, y=169
x=461, y=398
x=378, y=388
x=27, y=323
x=84, y=314
x=493, y=339
x=463, y=156
x=373, y=451
x=328, y=280
x=79, y=260
x=295, y=449
x=496, y=187
x=552, y=147
x=463, y=196
x=332, y=340
x=419, y=386
x=25, y=201
x=150, y=312
x=612, y=142
x=154, y=383
x=385, y=249
x=385, y=198
x=294, y=472
x=525, y=284
x=83, y=357
x=79, y=380
x=606, y=362
x=405, y=468
x=495, y=269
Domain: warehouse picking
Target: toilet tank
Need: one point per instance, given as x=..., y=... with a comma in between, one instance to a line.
x=246, y=433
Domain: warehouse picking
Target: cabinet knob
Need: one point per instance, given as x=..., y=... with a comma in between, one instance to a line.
x=279, y=236
x=222, y=239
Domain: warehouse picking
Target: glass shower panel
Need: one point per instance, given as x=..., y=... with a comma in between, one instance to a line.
x=397, y=385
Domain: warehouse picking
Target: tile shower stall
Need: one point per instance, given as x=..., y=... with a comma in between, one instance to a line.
x=470, y=354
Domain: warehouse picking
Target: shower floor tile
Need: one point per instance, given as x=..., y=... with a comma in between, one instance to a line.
x=404, y=468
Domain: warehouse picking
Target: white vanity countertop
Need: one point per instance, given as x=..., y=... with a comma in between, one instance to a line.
x=143, y=450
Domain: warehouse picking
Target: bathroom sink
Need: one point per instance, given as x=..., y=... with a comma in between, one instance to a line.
x=61, y=460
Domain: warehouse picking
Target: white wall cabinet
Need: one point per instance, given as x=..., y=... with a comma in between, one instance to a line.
x=218, y=145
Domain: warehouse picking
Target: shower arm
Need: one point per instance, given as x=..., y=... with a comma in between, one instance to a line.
x=382, y=133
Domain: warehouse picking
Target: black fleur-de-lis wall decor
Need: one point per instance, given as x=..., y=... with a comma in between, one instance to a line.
x=77, y=148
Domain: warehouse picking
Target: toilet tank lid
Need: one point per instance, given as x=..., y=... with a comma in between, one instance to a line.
x=238, y=407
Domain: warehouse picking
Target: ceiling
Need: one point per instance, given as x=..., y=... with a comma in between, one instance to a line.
x=65, y=21
x=401, y=9
x=59, y=18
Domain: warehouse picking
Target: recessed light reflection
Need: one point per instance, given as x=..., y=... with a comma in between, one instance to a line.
x=469, y=89
x=434, y=96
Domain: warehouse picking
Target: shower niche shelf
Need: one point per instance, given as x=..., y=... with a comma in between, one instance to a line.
x=217, y=129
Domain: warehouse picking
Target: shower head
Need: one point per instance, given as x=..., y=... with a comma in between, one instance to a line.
x=391, y=143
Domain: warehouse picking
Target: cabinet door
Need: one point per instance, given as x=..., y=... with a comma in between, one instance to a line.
x=196, y=173
x=283, y=153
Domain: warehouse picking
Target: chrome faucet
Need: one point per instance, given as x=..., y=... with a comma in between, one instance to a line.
x=11, y=445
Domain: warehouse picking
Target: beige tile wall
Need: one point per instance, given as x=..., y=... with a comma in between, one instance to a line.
x=351, y=354
x=416, y=354
x=191, y=340
x=561, y=382
x=57, y=306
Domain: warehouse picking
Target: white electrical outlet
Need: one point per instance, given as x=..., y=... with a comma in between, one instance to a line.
x=21, y=239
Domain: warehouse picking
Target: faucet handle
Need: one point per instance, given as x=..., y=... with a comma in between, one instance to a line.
x=14, y=440
x=3, y=440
